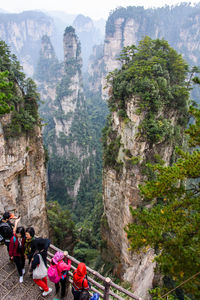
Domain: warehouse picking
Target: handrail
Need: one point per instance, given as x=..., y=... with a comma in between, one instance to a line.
x=107, y=282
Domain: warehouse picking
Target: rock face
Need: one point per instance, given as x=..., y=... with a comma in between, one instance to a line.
x=120, y=191
x=23, y=178
x=178, y=25
x=96, y=69
x=23, y=33
x=89, y=36
x=64, y=109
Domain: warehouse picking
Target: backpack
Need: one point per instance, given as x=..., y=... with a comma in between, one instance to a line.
x=84, y=295
x=5, y=230
x=53, y=274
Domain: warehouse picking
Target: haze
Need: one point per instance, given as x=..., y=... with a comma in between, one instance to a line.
x=91, y=8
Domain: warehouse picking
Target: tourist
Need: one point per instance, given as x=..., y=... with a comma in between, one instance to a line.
x=80, y=282
x=16, y=251
x=58, y=271
x=7, y=228
x=39, y=268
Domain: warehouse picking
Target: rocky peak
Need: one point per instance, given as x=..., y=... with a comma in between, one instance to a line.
x=23, y=33
x=47, y=50
x=83, y=23
x=71, y=45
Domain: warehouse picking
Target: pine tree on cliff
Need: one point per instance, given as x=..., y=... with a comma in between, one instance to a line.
x=18, y=95
x=171, y=226
x=168, y=217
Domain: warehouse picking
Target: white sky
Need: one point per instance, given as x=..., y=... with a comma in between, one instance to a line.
x=92, y=8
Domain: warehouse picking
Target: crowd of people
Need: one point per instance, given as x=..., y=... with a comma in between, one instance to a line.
x=22, y=245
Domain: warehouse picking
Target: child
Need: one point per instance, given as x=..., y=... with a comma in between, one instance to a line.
x=16, y=251
x=62, y=269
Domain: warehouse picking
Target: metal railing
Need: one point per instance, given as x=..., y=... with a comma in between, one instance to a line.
x=104, y=289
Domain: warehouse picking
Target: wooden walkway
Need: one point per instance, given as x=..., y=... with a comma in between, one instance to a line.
x=11, y=289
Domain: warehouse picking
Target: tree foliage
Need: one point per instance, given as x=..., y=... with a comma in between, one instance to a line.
x=155, y=75
x=18, y=95
x=62, y=228
x=171, y=224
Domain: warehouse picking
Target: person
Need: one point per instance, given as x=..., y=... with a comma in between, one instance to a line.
x=62, y=269
x=80, y=282
x=43, y=244
x=29, y=251
x=39, y=259
x=6, y=227
x=16, y=251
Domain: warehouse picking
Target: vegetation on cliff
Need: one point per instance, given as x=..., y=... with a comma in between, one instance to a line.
x=17, y=95
x=75, y=157
x=155, y=74
x=171, y=225
x=160, y=81
x=48, y=66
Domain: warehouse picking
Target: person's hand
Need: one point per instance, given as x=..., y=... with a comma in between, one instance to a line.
x=25, y=256
x=11, y=257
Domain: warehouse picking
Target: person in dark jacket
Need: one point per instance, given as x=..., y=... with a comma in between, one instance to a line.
x=16, y=251
x=6, y=228
x=39, y=246
x=80, y=281
x=29, y=251
x=43, y=245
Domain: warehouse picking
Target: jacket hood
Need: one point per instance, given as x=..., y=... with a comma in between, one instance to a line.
x=57, y=257
x=81, y=270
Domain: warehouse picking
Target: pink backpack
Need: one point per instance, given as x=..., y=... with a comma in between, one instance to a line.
x=53, y=274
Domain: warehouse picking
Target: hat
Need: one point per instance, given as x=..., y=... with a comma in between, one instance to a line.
x=6, y=215
x=57, y=257
x=12, y=216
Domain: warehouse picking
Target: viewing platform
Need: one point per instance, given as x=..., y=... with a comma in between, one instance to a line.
x=11, y=289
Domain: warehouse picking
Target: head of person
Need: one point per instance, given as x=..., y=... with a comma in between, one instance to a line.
x=58, y=257
x=6, y=216
x=20, y=232
x=81, y=270
x=30, y=232
x=40, y=244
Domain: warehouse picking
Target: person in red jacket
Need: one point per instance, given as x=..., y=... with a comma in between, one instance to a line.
x=16, y=251
x=80, y=281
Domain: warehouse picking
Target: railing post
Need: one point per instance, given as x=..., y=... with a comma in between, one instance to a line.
x=107, y=288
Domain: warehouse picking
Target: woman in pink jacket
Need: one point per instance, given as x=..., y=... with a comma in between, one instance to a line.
x=62, y=267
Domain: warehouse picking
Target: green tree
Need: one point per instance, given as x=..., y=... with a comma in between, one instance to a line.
x=5, y=93
x=62, y=228
x=17, y=95
x=171, y=225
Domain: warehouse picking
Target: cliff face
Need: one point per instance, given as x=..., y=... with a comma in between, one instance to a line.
x=89, y=36
x=48, y=74
x=127, y=26
x=23, y=33
x=23, y=179
x=120, y=191
x=66, y=135
x=96, y=69
x=145, y=124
